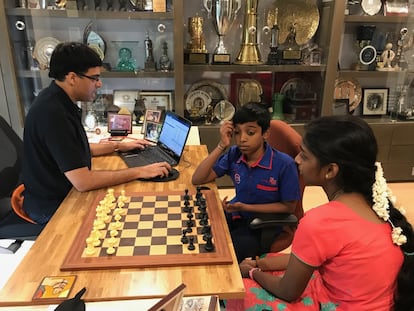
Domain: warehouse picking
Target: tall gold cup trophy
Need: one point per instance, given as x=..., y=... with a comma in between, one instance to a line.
x=224, y=13
x=249, y=53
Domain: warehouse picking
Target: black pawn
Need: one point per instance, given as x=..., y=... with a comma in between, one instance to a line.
x=191, y=246
x=184, y=238
x=186, y=195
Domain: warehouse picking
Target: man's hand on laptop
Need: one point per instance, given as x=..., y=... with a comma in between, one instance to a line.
x=133, y=144
x=156, y=169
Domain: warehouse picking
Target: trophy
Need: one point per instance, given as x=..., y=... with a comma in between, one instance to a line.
x=274, y=54
x=224, y=13
x=249, y=53
x=196, y=52
x=400, y=61
x=291, y=52
x=149, y=56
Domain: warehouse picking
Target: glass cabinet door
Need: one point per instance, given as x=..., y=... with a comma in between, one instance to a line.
x=254, y=65
x=121, y=34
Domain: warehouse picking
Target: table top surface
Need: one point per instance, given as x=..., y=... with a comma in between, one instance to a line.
x=47, y=254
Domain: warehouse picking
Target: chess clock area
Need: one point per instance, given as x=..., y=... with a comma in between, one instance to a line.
x=60, y=238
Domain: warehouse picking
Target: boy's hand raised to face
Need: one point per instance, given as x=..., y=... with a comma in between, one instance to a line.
x=226, y=133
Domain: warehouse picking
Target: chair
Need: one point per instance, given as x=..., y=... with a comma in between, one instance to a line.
x=12, y=226
x=284, y=138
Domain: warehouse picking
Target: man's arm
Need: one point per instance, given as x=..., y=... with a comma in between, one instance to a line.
x=84, y=179
x=112, y=146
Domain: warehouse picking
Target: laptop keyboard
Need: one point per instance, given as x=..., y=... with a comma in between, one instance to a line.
x=154, y=153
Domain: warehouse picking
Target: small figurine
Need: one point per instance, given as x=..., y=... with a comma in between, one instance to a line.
x=126, y=62
x=388, y=55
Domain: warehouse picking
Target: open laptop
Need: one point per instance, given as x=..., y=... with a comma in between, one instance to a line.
x=169, y=147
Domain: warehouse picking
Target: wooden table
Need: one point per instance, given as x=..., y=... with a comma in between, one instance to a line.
x=48, y=252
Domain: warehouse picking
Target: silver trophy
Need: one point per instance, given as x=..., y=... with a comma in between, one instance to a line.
x=224, y=13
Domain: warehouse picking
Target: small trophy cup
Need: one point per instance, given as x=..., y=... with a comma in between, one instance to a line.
x=149, y=56
x=196, y=52
x=224, y=13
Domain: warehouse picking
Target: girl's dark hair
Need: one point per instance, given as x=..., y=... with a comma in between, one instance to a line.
x=349, y=142
x=72, y=57
x=253, y=112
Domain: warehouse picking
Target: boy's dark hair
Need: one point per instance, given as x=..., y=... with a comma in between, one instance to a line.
x=72, y=57
x=253, y=112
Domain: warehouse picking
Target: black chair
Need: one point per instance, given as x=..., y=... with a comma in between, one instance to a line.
x=284, y=138
x=11, y=225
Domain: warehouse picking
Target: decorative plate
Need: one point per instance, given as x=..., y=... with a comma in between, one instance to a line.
x=224, y=110
x=348, y=89
x=197, y=102
x=43, y=50
x=303, y=13
x=367, y=55
x=371, y=7
x=249, y=90
x=215, y=90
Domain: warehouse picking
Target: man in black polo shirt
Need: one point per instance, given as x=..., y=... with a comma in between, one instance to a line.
x=57, y=154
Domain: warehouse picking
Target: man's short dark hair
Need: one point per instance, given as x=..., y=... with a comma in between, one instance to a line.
x=72, y=57
x=253, y=112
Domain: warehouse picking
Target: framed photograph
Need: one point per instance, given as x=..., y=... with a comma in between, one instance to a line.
x=152, y=131
x=153, y=117
x=374, y=102
x=157, y=100
x=125, y=99
x=340, y=107
x=119, y=123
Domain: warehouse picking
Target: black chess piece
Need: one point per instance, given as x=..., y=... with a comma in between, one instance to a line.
x=122, y=5
x=184, y=238
x=191, y=246
x=109, y=5
x=186, y=195
x=209, y=247
x=97, y=5
x=186, y=207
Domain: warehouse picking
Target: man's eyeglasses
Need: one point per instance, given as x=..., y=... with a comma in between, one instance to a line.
x=96, y=78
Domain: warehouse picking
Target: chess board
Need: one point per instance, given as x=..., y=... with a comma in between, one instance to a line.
x=150, y=234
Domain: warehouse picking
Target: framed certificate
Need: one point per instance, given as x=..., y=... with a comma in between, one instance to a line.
x=154, y=100
x=125, y=99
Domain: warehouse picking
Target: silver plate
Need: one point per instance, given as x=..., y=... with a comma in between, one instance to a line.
x=371, y=7
x=215, y=90
x=43, y=50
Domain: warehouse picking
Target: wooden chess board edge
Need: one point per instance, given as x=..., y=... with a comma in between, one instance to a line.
x=74, y=260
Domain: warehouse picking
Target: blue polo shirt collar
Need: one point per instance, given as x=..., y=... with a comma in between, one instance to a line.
x=265, y=161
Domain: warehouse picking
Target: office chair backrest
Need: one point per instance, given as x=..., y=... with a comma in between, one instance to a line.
x=284, y=138
x=10, y=158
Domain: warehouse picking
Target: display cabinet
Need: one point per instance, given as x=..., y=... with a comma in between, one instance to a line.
x=218, y=62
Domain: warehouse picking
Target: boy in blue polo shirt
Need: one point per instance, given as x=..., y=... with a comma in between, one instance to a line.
x=265, y=179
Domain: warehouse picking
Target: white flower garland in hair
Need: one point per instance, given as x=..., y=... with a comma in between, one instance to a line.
x=380, y=194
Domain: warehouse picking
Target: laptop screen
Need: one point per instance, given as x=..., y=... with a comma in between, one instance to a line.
x=174, y=132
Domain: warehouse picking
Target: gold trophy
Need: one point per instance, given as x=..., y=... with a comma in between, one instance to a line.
x=196, y=52
x=224, y=14
x=249, y=53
